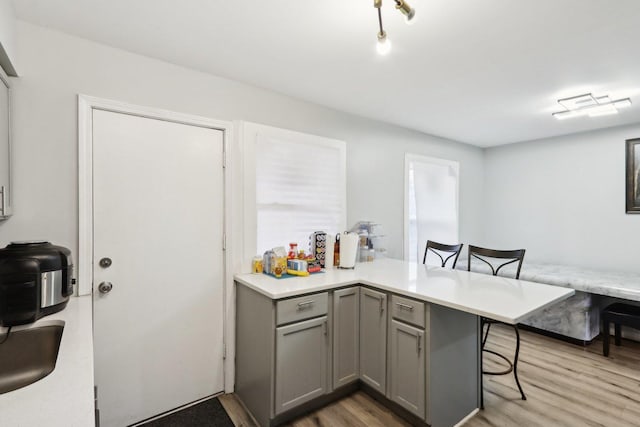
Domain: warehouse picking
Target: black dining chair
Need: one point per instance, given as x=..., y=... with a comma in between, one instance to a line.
x=494, y=259
x=442, y=250
x=618, y=313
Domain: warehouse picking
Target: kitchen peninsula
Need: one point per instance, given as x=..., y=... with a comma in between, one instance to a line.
x=406, y=333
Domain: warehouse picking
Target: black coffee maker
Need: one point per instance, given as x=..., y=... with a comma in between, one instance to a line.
x=36, y=279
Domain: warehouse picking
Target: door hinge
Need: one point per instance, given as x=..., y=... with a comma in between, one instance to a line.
x=224, y=241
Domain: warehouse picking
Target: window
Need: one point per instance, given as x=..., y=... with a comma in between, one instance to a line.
x=431, y=203
x=300, y=188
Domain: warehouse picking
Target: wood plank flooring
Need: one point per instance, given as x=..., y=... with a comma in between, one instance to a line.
x=565, y=384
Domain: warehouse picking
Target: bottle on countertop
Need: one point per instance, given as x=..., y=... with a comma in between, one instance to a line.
x=293, y=251
x=336, y=251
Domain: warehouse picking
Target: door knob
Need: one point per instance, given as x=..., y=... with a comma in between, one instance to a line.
x=105, y=287
x=105, y=262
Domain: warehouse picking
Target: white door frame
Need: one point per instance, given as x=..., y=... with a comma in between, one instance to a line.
x=411, y=157
x=86, y=105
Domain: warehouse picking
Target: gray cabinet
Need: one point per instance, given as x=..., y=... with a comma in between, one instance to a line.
x=407, y=375
x=373, y=339
x=301, y=363
x=346, y=339
x=5, y=148
x=291, y=352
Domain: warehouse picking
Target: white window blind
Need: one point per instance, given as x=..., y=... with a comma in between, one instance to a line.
x=300, y=188
x=431, y=203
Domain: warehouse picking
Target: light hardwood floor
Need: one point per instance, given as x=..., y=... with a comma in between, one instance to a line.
x=565, y=384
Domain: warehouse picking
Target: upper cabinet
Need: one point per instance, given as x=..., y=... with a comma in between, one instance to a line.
x=5, y=147
x=8, y=38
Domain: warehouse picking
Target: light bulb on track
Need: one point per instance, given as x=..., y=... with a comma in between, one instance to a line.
x=408, y=12
x=384, y=44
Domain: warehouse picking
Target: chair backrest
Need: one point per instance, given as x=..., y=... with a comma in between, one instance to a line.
x=513, y=256
x=442, y=250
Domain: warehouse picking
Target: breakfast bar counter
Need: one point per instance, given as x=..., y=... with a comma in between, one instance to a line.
x=407, y=334
x=499, y=298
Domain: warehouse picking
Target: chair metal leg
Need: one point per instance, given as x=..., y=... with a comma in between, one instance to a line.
x=605, y=337
x=486, y=335
x=618, y=333
x=511, y=366
x=481, y=362
x=515, y=362
x=481, y=381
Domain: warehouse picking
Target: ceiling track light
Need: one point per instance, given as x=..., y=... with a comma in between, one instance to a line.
x=384, y=44
x=589, y=105
x=408, y=12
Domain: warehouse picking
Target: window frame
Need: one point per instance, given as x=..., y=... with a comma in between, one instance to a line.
x=249, y=134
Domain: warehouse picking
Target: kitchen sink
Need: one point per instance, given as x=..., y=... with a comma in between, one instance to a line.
x=28, y=355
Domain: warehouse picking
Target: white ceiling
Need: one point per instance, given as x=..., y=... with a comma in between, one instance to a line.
x=485, y=72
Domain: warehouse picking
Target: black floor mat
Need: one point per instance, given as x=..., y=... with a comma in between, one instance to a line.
x=206, y=414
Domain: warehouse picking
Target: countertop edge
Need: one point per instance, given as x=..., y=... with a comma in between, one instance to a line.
x=290, y=294
x=460, y=307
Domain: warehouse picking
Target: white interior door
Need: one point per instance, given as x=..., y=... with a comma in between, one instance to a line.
x=158, y=216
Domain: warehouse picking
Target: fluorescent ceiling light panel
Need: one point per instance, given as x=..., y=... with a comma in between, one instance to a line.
x=621, y=103
x=576, y=102
x=587, y=104
x=563, y=115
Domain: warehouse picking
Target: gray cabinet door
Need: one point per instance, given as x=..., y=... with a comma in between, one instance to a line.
x=373, y=339
x=301, y=363
x=407, y=367
x=346, y=331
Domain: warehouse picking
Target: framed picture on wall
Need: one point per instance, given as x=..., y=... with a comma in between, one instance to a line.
x=633, y=175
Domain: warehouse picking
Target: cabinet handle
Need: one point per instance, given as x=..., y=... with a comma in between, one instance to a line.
x=304, y=304
x=324, y=327
x=405, y=306
x=381, y=305
x=419, y=343
x=3, y=202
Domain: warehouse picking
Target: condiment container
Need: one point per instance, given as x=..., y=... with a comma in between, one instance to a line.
x=256, y=265
x=293, y=251
x=267, y=261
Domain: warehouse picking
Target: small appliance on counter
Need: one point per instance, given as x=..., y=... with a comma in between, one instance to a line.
x=36, y=279
x=348, y=249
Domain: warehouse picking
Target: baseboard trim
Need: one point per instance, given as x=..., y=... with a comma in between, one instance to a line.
x=398, y=410
x=467, y=418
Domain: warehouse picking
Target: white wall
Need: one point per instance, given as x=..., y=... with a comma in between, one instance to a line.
x=55, y=67
x=563, y=199
x=7, y=37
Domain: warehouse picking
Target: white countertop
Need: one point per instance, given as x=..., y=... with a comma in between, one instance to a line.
x=507, y=300
x=64, y=398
